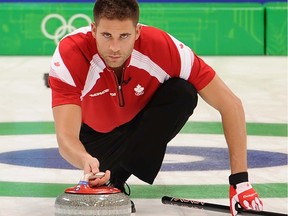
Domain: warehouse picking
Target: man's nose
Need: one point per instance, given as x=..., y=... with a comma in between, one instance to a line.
x=115, y=45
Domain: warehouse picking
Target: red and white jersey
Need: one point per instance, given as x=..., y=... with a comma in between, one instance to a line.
x=79, y=75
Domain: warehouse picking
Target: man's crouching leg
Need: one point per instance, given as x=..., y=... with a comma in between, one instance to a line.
x=159, y=122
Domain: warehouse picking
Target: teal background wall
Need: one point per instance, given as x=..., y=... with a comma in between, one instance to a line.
x=208, y=28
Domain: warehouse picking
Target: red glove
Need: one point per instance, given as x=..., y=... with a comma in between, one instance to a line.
x=242, y=193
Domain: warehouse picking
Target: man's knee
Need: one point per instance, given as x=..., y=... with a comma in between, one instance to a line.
x=182, y=91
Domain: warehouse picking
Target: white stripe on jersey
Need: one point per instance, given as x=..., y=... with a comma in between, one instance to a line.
x=144, y=62
x=96, y=66
x=59, y=70
x=83, y=30
x=186, y=58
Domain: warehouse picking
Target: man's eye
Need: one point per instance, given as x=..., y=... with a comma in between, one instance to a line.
x=124, y=36
x=106, y=35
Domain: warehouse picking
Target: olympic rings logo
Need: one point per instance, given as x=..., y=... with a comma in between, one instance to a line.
x=66, y=27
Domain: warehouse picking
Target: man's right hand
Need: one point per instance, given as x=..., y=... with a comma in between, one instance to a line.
x=100, y=181
x=91, y=165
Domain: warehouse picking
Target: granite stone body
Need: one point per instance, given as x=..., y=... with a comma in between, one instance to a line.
x=117, y=204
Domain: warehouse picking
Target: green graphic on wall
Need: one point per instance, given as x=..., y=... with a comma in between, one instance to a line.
x=35, y=29
x=211, y=28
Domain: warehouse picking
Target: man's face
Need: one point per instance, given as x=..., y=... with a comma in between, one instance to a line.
x=115, y=40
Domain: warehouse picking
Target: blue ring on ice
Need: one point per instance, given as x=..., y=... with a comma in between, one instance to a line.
x=211, y=159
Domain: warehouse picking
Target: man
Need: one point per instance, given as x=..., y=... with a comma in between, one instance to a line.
x=121, y=91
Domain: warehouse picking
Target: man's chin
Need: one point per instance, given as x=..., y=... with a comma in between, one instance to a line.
x=114, y=65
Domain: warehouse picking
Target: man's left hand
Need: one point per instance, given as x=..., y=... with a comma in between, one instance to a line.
x=246, y=196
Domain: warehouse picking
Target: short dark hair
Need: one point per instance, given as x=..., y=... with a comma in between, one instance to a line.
x=116, y=9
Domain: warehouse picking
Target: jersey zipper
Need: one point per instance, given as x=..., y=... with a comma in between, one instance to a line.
x=121, y=96
x=119, y=89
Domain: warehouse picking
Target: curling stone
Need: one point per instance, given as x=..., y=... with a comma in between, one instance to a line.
x=83, y=200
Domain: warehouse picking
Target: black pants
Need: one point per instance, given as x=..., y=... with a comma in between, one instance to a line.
x=139, y=146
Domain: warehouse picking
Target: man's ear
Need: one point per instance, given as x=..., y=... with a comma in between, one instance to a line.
x=93, y=29
x=138, y=30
